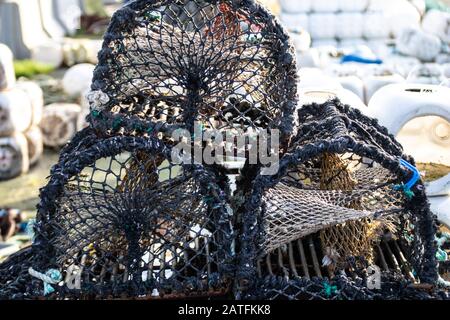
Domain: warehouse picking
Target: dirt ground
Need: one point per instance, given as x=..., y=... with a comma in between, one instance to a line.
x=23, y=192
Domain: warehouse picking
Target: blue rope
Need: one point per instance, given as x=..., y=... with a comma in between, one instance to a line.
x=406, y=187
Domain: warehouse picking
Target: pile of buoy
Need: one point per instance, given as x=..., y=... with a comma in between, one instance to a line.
x=61, y=120
x=21, y=107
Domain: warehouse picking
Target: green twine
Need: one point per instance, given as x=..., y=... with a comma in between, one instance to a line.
x=153, y=16
x=254, y=38
x=95, y=113
x=409, y=194
x=441, y=255
x=329, y=289
x=116, y=123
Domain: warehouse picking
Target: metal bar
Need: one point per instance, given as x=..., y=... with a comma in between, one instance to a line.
x=404, y=262
x=301, y=250
x=391, y=255
x=314, y=257
x=269, y=264
x=382, y=258
x=292, y=260
x=280, y=263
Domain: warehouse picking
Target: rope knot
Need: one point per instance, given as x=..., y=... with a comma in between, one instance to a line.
x=51, y=277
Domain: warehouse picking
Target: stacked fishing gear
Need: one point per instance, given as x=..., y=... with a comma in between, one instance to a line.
x=120, y=218
x=346, y=217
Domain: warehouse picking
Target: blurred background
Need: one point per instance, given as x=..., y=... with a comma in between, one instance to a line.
x=350, y=48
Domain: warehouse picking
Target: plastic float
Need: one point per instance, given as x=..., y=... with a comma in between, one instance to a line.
x=7, y=76
x=35, y=144
x=397, y=104
x=437, y=22
x=294, y=6
x=417, y=43
x=13, y=156
x=15, y=112
x=77, y=79
x=36, y=96
x=59, y=123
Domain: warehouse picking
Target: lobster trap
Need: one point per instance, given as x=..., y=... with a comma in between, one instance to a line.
x=169, y=64
x=345, y=201
x=119, y=220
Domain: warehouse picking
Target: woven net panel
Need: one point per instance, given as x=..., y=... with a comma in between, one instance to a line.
x=292, y=212
x=335, y=207
x=128, y=223
x=168, y=64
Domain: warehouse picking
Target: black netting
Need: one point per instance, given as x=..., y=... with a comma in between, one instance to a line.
x=338, y=206
x=120, y=218
x=224, y=64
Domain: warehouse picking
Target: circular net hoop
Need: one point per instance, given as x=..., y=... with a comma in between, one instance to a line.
x=334, y=209
x=119, y=220
x=169, y=64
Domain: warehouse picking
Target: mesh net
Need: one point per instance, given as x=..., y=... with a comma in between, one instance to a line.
x=334, y=209
x=120, y=219
x=224, y=64
x=124, y=221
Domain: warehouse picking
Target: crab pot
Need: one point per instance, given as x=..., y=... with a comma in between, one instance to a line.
x=13, y=156
x=224, y=61
x=59, y=123
x=125, y=222
x=339, y=204
x=15, y=112
x=35, y=144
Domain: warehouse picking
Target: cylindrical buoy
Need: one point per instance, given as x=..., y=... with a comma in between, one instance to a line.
x=36, y=96
x=59, y=123
x=417, y=43
x=35, y=144
x=379, y=78
x=50, y=53
x=13, y=156
x=7, y=75
x=78, y=79
x=15, y=112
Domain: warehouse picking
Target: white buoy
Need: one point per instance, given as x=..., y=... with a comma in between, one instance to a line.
x=13, y=156
x=324, y=6
x=375, y=26
x=429, y=73
x=352, y=5
x=379, y=78
x=15, y=112
x=353, y=84
x=322, y=25
x=36, y=96
x=7, y=75
x=78, y=79
x=401, y=14
x=438, y=23
x=417, y=43
x=59, y=123
x=398, y=104
x=35, y=144
x=295, y=21
x=295, y=6
x=49, y=52
x=350, y=25
x=301, y=39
